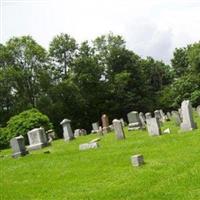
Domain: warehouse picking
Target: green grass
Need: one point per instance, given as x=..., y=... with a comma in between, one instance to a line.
x=171, y=170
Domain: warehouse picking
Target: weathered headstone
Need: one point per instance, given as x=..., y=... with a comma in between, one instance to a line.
x=148, y=115
x=157, y=114
x=67, y=130
x=169, y=115
x=142, y=119
x=153, y=126
x=95, y=127
x=163, y=116
x=176, y=117
x=119, y=132
x=18, y=146
x=37, y=139
x=122, y=122
x=134, y=121
x=92, y=145
x=105, y=123
x=188, y=123
x=77, y=133
x=137, y=160
x=51, y=135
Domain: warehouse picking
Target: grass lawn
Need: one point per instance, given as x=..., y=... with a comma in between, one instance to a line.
x=171, y=170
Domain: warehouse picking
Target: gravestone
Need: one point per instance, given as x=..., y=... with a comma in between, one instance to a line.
x=176, y=117
x=153, y=126
x=134, y=121
x=142, y=119
x=119, y=132
x=105, y=123
x=95, y=127
x=180, y=113
x=157, y=114
x=92, y=145
x=137, y=160
x=148, y=115
x=188, y=123
x=122, y=122
x=18, y=146
x=37, y=139
x=198, y=110
x=51, y=135
x=163, y=116
x=77, y=133
x=169, y=115
x=67, y=130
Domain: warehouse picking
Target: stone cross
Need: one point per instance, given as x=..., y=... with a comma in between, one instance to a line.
x=18, y=146
x=119, y=132
x=37, y=139
x=134, y=121
x=153, y=126
x=188, y=123
x=67, y=130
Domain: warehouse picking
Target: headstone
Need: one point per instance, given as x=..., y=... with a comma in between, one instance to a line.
x=198, y=110
x=95, y=127
x=188, y=123
x=153, y=126
x=67, y=130
x=157, y=114
x=95, y=140
x=85, y=146
x=137, y=160
x=105, y=123
x=18, y=146
x=180, y=113
x=111, y=127
x=37, y=139
x=142, y=119
x=166, y=131
x=163, y=116
x=148, y=115
x=134, y=121
x=51, y=135
x=176, y=117
x=77, y=133
x=119, y=132
x=169, y=115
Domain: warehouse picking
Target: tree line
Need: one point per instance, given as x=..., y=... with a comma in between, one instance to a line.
x=83, y=81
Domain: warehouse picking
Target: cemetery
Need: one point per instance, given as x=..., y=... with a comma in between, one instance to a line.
x=107, y=164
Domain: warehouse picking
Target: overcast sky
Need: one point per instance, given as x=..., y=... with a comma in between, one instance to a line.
x=150, y=27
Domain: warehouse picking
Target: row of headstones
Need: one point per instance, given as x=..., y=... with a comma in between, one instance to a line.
x=37, y=137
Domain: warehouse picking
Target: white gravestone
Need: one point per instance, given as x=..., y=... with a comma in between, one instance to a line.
x=134, y=121
x=188, y=123
x=85, y=146
x=67, y=130
x=137, y=160
x=119, y=132
x=153, y=126
x=37, y=139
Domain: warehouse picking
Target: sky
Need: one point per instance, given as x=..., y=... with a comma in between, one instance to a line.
x=150, y=27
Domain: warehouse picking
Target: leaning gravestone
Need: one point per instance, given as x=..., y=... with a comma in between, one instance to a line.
x=153, y=126
x=37, y=139
x=188, y=123
x=18, y=146
x=105, y=123
x=157, y=114
x=198, y=110
x=117, y=125
x=67, y=130
x=134, y=121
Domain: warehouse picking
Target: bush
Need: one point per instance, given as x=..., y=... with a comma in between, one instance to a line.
x=21, y=124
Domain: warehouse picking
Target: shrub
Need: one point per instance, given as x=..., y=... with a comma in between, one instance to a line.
x=20, y=124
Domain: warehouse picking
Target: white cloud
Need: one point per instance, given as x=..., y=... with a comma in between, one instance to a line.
x=150, y=27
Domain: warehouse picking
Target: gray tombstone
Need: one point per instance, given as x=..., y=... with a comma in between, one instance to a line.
x=18, y=146
x=119, y=132
x=122, y=122
x=198, y=110
x=163, y=116
x=142, y=119
x=169, y=115
x=134, y=121
x=92, y=145
x=105, y=123
x=157, y=114
x=77, y=133
x=37, y=139
x=176, y=117
x=67, y=130
x=137, y=160
x=148, y=115
x=95, y=127
x=153, y=126
x=188, y=123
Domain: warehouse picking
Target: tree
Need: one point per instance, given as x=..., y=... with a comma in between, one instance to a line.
x=62, y=50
